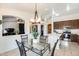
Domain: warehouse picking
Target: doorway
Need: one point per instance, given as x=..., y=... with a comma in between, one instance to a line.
x=42, y=30
x=21, y=28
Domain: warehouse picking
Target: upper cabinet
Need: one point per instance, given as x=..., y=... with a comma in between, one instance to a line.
x=73, y=24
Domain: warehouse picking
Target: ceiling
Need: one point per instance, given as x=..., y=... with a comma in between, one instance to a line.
x=44, y=8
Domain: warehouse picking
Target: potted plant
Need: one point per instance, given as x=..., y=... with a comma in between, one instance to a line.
x=35, y=36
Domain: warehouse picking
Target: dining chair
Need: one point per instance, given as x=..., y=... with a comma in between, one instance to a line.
x=21, y=48
x=24, y=38
x=52, y=54
x=43, y=39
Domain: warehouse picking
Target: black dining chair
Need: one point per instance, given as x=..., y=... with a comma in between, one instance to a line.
x=21, y=48
x=24, y=38
x=43, y=39
x=52, y=54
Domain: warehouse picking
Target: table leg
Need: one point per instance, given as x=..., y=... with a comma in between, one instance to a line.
x=49, y=48
x=41, y=54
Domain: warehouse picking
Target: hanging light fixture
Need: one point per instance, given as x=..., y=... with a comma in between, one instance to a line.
x=36, y=19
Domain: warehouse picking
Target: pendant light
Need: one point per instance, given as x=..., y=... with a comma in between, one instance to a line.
x=36, y=19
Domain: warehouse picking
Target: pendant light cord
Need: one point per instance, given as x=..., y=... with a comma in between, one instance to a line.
x=36, y=13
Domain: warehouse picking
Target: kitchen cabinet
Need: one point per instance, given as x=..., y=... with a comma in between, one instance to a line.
x=73, y=24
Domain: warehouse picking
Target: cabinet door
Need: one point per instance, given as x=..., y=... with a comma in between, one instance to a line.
x=78, y=40
x=74, y=38
x=56, y=25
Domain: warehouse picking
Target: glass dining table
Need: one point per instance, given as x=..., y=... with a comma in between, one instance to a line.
x=39, y=48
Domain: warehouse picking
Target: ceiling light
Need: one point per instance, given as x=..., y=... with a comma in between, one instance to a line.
x=57, y=14
x=32, y=20
x=36, y=19
x=53, y=12
x=68, y=7
x=39, y=19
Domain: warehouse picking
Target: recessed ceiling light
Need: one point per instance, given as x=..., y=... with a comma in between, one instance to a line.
x=53, y=12
x=68, y=7
x=57, y=14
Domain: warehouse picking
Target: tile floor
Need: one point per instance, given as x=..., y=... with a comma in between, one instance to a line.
x=71, y=50
x=15, y=52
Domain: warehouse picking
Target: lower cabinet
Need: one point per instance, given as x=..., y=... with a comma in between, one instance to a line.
x=78, y=40
x=74, y=37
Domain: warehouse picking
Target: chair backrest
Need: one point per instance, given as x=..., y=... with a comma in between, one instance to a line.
x=24, y=38
x=21, y=48
x=43, y=39
x=52, y=54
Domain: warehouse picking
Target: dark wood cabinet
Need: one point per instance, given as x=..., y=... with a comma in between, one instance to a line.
x=73, y=24
x=78, y=40
x=74, y=38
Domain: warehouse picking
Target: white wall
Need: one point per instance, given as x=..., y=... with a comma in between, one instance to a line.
x=8, y=42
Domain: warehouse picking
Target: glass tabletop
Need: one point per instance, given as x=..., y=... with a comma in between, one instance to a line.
x=40, y=46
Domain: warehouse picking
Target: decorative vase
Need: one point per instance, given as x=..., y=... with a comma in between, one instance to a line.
x=35, y=40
